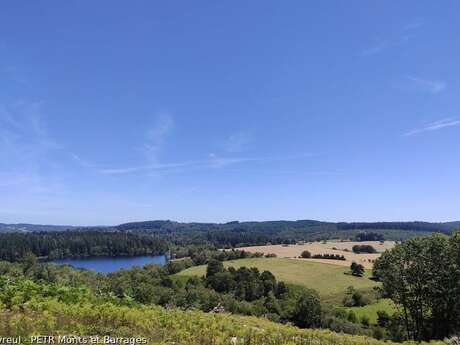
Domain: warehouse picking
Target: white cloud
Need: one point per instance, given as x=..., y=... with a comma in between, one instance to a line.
x=426, y=85
x=434, y=126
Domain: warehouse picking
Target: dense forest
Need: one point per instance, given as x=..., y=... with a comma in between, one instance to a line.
x=56, y=245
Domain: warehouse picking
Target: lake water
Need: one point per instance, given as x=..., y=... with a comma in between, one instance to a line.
x=105, y=264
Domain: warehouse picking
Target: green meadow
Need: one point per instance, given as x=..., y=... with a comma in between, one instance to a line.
x=331, y=281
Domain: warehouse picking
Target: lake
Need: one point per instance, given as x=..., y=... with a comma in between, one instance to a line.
x=104, y=264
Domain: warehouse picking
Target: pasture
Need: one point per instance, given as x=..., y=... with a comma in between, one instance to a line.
x=331, y=281
x=330, y=247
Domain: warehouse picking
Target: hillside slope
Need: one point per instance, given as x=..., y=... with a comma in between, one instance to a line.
x=313, y=275
x=160, y=326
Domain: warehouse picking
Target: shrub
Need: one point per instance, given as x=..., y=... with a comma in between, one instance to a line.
x=365, y=320
x=364, y=248
x=306, y=254
x=357, y=269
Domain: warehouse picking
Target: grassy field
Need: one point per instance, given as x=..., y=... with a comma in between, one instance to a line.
x=371, y=310
x=344, y=248
x=329, y=280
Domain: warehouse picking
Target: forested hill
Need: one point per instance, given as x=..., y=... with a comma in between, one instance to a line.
x=409, y=226
x=23, y=227
x=65, y=244
x=253, y=233
x=224, y=235
x=168, y=225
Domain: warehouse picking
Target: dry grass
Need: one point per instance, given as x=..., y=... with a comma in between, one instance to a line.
x=330, y=247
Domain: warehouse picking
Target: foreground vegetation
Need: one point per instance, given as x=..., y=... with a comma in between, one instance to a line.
x=71, y=312
x=51, y=299
x=422, y=276
x=28, y=307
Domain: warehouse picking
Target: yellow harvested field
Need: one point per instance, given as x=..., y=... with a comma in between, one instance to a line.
x=330, y=247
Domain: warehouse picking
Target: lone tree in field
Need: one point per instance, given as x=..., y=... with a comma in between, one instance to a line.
x=306, y=254
x=357, y=269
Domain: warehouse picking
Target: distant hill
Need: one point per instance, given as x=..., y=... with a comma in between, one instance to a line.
x=237, y=233
x=23, y=227
x=250, y=233
x=411, y=226
x=167, y=225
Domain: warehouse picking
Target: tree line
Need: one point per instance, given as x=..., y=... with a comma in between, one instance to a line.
x=369, y=236
x=307, y=255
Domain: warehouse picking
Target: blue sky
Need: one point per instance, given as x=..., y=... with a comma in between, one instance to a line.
x=114, y=111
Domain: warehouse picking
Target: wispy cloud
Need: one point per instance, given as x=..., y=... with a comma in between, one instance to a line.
x=213, y=162
x=82, y=162
x=144, y=168
x=26, y=148
x=392, y=40
x=434, y=126
x=426, y=85
x=238, y=141
x=24, y=136
x=156, y=139
x=156, y=135
x=413, y=25
x=375, y=48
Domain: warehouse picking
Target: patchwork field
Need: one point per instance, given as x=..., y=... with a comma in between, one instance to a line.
x=331, y=281
x=330, y=247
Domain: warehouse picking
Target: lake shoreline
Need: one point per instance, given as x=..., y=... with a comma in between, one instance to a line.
x=108, y=264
